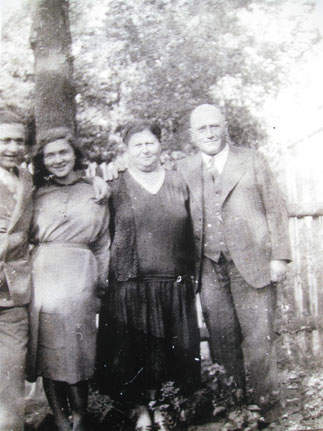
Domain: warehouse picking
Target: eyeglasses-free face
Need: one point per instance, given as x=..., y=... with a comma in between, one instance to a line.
x=59, y=159
x=208, y=131
x=144, y=151
x=12, y=145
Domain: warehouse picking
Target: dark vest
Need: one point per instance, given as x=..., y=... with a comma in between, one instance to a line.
x=214, y=242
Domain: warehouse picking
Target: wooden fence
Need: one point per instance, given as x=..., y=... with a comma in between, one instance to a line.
x=301, y=297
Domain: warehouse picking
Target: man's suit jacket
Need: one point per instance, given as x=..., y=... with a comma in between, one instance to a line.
x=255, y=219
x=15, y=218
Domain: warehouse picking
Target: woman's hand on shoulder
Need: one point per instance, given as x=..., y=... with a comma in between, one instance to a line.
x=111, y=170
x=102, y=190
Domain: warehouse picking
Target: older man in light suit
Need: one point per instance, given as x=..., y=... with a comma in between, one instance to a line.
x=15, y=216
x=241, y=238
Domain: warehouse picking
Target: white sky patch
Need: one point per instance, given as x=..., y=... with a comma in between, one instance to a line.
x=297, y=112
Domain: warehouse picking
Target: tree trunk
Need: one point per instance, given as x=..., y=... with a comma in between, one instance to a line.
x=51, y=42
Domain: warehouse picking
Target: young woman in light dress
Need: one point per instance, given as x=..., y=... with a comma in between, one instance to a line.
x=69, y=266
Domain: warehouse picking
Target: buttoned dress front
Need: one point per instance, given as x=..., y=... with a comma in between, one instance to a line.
x=71, y=255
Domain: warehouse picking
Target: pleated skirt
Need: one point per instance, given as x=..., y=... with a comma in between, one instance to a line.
x=148, y=335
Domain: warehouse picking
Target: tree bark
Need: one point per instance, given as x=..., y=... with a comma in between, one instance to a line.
x=51, y=42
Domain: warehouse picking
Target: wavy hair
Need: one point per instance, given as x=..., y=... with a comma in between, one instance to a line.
x=41, y=174
x=141, y=126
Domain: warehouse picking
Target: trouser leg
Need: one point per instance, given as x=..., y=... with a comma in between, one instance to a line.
x=255, y=311
x=56, y=393
x=13, y=345
x=225, y=336
x=78, y=396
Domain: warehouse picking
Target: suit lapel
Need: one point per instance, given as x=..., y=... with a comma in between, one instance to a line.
x=24, y=194
x=234, y=169
x=193, y=177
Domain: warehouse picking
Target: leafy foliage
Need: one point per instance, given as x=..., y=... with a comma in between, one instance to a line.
x=302, y=406
x=159, y=58
x=16, y=79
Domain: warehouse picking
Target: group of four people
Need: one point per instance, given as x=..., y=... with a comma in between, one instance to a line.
x=217, y=226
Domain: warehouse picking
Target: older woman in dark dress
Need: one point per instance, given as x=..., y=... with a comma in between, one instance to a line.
x=148, y=332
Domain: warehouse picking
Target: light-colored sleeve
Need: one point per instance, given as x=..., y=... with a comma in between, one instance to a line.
x=276, y=210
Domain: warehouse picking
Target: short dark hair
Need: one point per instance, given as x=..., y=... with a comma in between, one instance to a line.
x=41, y=174
x=141, y=126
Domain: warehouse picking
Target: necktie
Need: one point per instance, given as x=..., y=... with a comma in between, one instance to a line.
x=213, y=169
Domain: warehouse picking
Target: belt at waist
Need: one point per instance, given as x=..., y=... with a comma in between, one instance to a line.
x=162, y=278
x=62, y=244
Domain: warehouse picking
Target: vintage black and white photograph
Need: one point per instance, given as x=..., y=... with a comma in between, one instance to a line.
x=161, y=215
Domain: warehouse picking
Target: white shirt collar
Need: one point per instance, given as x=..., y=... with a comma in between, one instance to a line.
x=219, y=159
